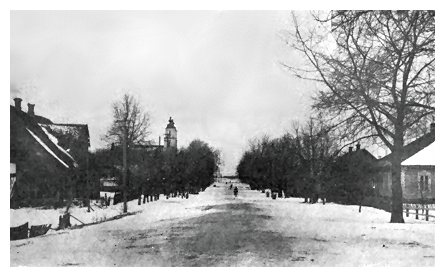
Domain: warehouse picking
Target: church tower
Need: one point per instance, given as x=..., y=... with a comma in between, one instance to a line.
x=170, y=137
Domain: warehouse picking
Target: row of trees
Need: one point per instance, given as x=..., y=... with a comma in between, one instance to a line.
x=298, y=163
x=157, y=171
x=307, y=163
x=143, y=168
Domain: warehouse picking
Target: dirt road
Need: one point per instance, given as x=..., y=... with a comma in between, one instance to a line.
x=229, y=236
x=226, y=232
x=215, y=228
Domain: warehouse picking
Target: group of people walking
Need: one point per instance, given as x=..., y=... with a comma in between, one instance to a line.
x=235, y=190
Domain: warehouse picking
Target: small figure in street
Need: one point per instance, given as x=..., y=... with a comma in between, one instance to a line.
x=235, y=191
x=230, y=186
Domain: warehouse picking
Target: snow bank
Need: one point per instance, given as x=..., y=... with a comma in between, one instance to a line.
x=338, y=235
x=162, y=209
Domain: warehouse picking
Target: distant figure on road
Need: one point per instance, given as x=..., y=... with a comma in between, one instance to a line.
x=235, y=191
x=230, y=186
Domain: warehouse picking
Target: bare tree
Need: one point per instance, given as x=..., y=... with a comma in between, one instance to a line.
x=315, y=147
x=130, y=127
x=130, y=122
x=377, y=70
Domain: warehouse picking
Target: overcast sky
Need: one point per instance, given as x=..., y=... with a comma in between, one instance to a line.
x=218, y=74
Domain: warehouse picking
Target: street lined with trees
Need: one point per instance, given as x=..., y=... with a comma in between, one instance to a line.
x=326, y=192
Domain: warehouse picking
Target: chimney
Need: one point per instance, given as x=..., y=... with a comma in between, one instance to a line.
x=358, y=146
x=31, y=109
x=433, y=127
x=18, y=103
x=350, y=149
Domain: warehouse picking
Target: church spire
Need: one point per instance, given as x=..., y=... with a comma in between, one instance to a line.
x=170, y=138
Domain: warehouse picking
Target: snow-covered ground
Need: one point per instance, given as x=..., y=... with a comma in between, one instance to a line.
x=69, y=247
x=162, y=209
x=190, y=231
x=338, y=235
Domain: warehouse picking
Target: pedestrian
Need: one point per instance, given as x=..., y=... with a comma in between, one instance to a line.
x=235, y=191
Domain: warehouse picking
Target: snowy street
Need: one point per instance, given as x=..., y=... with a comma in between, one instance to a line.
x=216, y=229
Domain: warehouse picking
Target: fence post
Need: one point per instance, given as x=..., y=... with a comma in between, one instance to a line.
x=426, y=214
x=407, y=212
x=417, y=213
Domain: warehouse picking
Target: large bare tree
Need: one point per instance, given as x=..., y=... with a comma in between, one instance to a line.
x=130, y=127
x=377, y=75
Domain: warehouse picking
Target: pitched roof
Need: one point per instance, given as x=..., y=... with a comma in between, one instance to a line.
x=47, y=148
x=55, y=140
x=358, y=154
x=67, y=133
x=24, y=115
x=426, y=156
x=411, y=148
x=360, y=157
x=57, y=144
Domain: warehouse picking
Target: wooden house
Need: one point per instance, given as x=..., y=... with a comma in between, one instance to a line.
x=49, y=160
x=418, y=170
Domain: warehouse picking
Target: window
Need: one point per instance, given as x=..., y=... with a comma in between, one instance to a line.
x=424, y=181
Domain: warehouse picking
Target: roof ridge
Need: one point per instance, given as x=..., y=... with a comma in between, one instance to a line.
x=418, y=141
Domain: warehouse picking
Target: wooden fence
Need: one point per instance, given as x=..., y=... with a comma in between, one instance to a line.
x=423, y=208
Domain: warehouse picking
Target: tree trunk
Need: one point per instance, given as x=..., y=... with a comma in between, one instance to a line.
x=396, y=172
x=125, y=168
